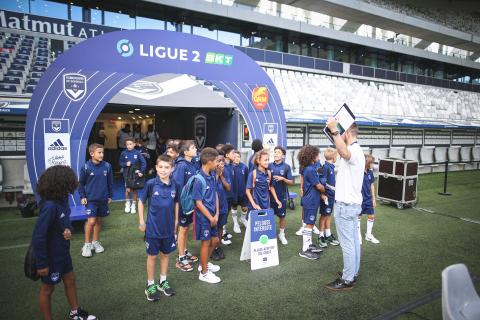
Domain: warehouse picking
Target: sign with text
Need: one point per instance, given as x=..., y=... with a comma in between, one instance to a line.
x=57, y=142
x=270, y=137
x=260, y=242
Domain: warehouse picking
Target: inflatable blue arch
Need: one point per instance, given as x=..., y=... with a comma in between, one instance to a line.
x=76, y=87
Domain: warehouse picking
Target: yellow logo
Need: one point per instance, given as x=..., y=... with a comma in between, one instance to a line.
x=260, y=98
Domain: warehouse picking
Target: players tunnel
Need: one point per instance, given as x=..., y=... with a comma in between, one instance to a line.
x=194, y=86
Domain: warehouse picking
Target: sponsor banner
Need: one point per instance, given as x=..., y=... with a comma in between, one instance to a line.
x=57, y=142
x=34, y=23
x=270, y=137
x=200, y=128
x=260, y=242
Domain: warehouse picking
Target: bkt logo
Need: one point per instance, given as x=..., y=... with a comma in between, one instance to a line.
x=57, y=145
x=125, y=48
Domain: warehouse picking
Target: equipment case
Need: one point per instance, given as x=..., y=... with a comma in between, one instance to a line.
x=397, y=181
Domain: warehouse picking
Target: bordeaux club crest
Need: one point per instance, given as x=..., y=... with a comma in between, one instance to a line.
x=74, y=86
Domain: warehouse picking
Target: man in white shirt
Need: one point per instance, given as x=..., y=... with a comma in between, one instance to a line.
x=348, y=202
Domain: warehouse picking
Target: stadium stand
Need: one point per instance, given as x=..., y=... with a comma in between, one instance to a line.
x=23, y=59
x=469, y=22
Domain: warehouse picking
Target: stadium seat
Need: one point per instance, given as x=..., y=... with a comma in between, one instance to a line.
x=27, y=185
x=453, y=154
x=296, y=164
x=440, y=155
x=8, y=88
x=467, y=158
x=379, y=153
x=426, y=158
x=396, y=152
x=460, y=301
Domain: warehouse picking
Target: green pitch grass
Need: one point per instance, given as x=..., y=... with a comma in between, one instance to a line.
x=414, y=248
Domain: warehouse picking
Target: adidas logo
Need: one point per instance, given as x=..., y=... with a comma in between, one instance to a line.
x=62, y=215
x=271, y=142
x=57, y=145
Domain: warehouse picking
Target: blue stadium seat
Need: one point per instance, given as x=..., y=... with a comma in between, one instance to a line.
x=11, y=80
x=8, y=88
x=39, y=69
x=8, y=46
x=23, y=56
x=29, y=37
x=24, y=52
x=5, y=55
x=14, y=73
x=20, y=61
x=3, y=61
x=17, y=67
x=36, y=75
x=42, y=59
x=40, y=64
x=30, y=89
x=32, y=82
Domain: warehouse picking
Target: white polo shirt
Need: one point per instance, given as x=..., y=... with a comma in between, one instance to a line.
x=349, y=179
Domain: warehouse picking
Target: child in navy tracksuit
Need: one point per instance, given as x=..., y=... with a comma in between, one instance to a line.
x=207, y=212
x=282, y=177
x=259, y=184
x=162, y=194
x=51, y=239
x=184, y=169
x=369, y=202
x=327, y=179
x=240, y=177
x=312, y=188
x=229, y=152
x=131, y=158
x=95, y=190
x=224, y=185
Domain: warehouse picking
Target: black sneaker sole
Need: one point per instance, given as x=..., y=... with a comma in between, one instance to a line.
x=149, y=299
x=183, y=269
x=307, y=257
x=168, y=295
x=339, y=289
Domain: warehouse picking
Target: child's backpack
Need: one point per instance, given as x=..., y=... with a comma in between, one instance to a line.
x=133, y=181
x=30, y=264
x=186, y=197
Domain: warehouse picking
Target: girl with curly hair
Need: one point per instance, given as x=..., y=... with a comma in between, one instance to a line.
x=51, y=240
x=312, y=188
x=259, y=184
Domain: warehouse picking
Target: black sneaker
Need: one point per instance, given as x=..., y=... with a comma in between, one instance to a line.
x=215, y=256
x=152, y=293
x=314, y=249
x=184, y=264
x=332, y=240
x=228, y=235
x=81, y=315
x=309, y=255
x=340, y=285
x=190, y=256
x=355, y=277
x=220, y=253
x=166, y=289
x=322, y=242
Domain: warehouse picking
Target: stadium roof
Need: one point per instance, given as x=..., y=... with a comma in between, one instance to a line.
x=362, y=12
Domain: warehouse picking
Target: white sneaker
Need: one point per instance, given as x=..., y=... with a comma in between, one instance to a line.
x=229, y=236
x=283, y=240
x=210, y=266
x=315, y=230
x=87, y=250
x=371, y=238
x=133, y=208
x=226, y=242
x=127, y=207
x=299, y=231
x=244, y=221
x=209, y=277
x=236, y=228
x=97, y=246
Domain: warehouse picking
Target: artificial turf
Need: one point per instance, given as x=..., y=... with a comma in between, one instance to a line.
x=414, y=248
